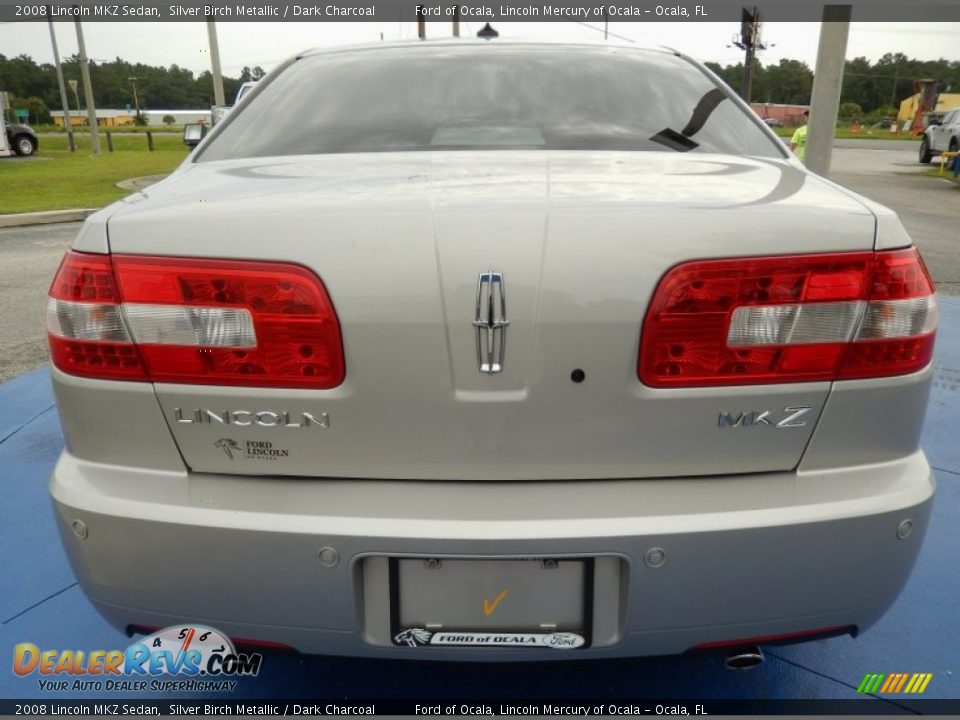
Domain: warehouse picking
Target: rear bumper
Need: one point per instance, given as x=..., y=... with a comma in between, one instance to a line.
x=745, y=556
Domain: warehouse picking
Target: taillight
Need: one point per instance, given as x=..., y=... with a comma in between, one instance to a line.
x=85, y=327
x=789, y=319
x=223, y=322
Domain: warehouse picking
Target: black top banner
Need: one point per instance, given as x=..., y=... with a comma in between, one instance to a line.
x=493, y=11
x=464, y=708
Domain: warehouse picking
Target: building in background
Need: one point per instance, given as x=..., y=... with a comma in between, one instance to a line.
x=908, y=107
x=119, y=118
x=785, y=115
x=180, y=117
x=105, y=118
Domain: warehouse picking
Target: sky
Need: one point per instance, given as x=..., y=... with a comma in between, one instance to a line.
x=268, y=44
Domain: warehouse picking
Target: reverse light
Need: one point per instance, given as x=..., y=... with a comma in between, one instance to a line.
x=796, y=318
x=185, y=320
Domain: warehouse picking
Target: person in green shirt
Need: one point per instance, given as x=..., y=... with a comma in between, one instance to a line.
x=798, y=143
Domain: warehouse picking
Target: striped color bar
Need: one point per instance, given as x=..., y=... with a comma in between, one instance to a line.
x=893, y=683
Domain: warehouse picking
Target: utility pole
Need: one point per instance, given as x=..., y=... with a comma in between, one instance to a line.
x=88, y=92
x=136, y=97
x=456, y=21
x=893, y=93
x=76, y=95
x=827, y=82
x=219, y=98
x=64, y=101
x=749, y=41
x=421, y=24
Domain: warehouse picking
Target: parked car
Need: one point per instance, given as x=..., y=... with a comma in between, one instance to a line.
x=772, y=122
x=291, y=412
x=941, y=135
x=22, y=139
x=218, y=112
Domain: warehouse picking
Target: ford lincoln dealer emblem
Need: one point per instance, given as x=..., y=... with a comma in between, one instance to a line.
x=228, y=446
x=491, y=322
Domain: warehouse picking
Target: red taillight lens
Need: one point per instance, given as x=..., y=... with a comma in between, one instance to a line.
x=789, y=319
x=220, y=322
x=85, y=328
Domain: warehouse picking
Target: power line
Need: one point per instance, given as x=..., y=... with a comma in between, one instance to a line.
x=871, y=75
x=604, y=31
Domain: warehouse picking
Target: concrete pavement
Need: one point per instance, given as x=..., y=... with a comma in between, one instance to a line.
x=139, y=183
x=47, y=217
x=29, y=257
x=929, y=207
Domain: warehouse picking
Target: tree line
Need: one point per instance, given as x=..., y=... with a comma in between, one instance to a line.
x=870, y=90
x=34, y=86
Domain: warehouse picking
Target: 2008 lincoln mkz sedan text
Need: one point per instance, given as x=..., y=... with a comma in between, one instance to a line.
x=493, y=351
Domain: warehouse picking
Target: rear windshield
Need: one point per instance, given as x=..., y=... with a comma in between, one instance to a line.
x=491, y=97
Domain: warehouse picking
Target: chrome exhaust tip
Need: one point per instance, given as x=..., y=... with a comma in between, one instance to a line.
x=745, y=659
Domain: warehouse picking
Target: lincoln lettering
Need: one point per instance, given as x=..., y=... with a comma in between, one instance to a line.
x=248, y=418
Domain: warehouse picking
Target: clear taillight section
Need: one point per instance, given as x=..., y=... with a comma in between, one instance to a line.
x=222, y=322
x=85, y=328
x=789, y=319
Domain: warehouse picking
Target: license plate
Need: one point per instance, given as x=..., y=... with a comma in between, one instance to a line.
x=532, y=603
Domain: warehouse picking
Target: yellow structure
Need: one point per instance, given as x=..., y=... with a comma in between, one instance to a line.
x=105, y=118
x=908, y=108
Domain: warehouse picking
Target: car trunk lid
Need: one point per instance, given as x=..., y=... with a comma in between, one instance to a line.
x=405, y=244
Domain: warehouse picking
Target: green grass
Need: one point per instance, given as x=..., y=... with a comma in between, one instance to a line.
x=81, y=180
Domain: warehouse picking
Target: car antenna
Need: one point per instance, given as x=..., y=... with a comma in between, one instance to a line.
x=487, y=32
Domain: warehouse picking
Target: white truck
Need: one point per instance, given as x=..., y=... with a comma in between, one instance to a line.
x=940, y=136
x=5, y=150
x=193, y=133
x=218, y=112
